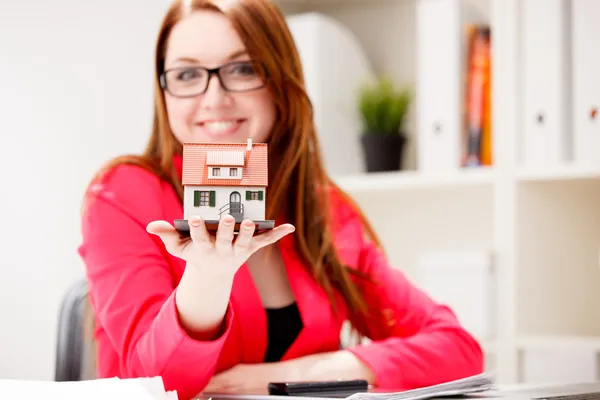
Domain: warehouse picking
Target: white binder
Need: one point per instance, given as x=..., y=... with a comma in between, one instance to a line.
x=335, y=64
x=547, y=138
x=441, y=51
x=586, y=80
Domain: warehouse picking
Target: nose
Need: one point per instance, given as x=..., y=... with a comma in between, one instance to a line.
x=215, y=96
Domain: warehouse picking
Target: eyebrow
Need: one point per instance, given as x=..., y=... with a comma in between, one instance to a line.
x=232, y=56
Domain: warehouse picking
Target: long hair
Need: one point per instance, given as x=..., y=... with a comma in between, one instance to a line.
x=299, y=187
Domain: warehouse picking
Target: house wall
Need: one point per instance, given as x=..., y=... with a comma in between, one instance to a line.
x=253, y=209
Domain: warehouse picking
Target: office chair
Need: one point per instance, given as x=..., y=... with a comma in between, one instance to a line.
x=75, y=349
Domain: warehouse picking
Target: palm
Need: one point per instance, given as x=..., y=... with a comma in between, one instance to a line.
x=224, y=249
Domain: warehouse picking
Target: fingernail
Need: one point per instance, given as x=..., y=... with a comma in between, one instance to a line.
x=195, y=221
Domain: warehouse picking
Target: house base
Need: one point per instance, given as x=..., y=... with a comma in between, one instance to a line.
x=182, y=226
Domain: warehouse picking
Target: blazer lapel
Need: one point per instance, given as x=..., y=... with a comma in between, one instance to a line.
x=312, y=302
x=251, y=316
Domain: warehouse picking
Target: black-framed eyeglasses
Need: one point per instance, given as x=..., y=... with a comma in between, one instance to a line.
x=238, y=76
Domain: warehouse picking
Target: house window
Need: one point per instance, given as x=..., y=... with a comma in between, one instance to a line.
x=251, y=195
x=233, y=172
x=201, y=198
x=216, y=172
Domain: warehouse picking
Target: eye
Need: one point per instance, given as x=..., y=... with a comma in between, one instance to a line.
x=188, y=74
x=242, y=69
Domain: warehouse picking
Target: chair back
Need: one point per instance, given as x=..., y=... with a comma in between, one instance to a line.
x=75, y=347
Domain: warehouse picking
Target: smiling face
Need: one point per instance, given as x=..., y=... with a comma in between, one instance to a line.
x=208, y=40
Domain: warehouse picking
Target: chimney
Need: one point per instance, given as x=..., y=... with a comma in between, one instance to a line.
x=249, y=148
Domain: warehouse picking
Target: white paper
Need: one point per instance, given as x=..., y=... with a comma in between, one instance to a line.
x=473, y=384
x=99, y=389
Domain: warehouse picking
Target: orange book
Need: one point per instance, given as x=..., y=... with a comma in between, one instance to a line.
x=486, y=133
x=477, y=134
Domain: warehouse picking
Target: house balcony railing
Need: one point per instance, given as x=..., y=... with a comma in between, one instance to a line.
x=235, y=209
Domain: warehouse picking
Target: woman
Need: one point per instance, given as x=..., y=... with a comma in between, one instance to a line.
x=214, y=313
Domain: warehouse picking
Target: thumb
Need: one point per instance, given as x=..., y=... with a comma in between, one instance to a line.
x=167, y=233
x=159, y=228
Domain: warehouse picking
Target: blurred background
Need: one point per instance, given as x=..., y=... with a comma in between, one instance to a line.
x=482, y=177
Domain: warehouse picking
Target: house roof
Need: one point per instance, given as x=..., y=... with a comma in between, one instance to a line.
x=197, y=157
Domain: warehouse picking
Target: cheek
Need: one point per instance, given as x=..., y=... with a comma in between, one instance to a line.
x=180, y=112
x=263, y=112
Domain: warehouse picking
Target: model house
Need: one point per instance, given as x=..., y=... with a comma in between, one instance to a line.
x=221, y=179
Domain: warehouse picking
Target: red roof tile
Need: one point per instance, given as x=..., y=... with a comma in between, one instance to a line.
x=196, y=156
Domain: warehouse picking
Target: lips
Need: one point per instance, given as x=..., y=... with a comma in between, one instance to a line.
x=220, y=127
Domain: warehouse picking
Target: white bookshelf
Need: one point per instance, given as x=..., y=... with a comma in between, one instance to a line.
x=559, y=173
x=413, y=180
x=541, y=224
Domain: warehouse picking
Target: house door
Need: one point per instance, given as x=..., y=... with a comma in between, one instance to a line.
x=235, y=205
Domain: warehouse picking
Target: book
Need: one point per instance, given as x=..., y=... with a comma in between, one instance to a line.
x=476, y=136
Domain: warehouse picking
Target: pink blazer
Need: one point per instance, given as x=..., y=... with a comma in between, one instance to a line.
x=132, y=280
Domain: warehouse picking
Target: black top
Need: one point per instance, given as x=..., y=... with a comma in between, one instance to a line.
x=284, y=325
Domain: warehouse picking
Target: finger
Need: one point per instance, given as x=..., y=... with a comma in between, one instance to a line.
x=272, y=236
x=199, y=233
x=225, y=234
x=217, y=383
x=244, y=237
x=212, y=387
x=167, y=233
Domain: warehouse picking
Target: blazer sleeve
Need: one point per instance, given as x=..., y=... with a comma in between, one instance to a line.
x=416, y=342
x=132, y=289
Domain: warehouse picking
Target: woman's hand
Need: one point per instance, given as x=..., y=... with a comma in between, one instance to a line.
x=224, y=251
x=254, y=378
x=203, y=292
x=246, y=379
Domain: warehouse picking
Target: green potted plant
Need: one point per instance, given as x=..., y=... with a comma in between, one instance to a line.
x=383, y=109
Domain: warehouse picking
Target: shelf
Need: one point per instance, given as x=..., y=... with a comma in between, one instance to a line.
x=407, y=180
x=542, y=222
x=558, y=173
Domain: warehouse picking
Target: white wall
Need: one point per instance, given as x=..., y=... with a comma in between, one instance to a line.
x=76, y=89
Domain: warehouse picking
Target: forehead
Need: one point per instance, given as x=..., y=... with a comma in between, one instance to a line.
x=205, y=36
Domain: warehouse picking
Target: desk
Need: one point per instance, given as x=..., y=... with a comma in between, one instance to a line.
x=575, y=391
x=580, y=391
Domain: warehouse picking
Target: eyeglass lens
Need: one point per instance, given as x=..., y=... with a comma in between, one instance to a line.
x=235, y=77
